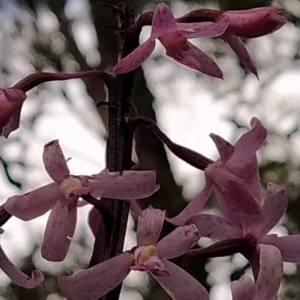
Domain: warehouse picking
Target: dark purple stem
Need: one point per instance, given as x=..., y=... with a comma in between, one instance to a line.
x=193, y=158
x=33, y=80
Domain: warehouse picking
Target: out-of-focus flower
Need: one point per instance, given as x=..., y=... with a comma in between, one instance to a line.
x=250, y=23
x=149, y=255
x=234, y=178
x=268, y=280
x=253, y=226
x=17, y=276
x=62, y=195
x=11, y=101
x=174, y=37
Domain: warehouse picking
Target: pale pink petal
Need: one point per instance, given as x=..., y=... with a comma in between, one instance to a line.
x=163, y=21
x=33, y=204
x=241, y=51
x=59, y=231
x=128, y=185
x=16, y=275
x=216, y=227
x=203, y=29
x=194, y=206
x=180, y=285
x=270, y=273
x=243, y=289
x=194, y=58
x=150, y=224
x=273, y=209
x=55, y=162
x=289, y=246
x=97, y=281
x=225, y=149
x=135, y=58
x=178, y=241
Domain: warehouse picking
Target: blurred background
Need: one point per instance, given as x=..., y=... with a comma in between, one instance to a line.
x=61, y=35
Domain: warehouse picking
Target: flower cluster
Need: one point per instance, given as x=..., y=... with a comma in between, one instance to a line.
x=247, y=215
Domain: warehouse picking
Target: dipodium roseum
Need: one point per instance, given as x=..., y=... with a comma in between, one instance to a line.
x=173, y=37
x=17, y=276
x=62, y=195
x=234, y=177
x=149, y=255
x=267, y=283
x=250, y=23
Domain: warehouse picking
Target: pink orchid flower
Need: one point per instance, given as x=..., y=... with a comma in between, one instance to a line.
x=62, y=195
x=173, y=37
x=11, y=101
x=234, y=177
x=268, y=279
x=248, y=23
x=254, y=226
x=149, y=255
x=17, y=276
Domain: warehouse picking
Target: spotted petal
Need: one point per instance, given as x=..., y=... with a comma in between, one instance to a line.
x=241, y=51
x=135, y=58
x=194, y=58
x=150, y=224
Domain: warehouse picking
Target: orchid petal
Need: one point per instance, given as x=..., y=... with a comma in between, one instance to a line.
x=178, y=241
x=225, y=149
x=243, y=162
x=243, y=289
x=273, y=210
x=135, y=58
x=128, y=185
x=194, y=206
x=150, y=224
x=33, y=204
x=289, y=246
x=203, y=29
x=232, y=193
x=163, y=21
x=180, y=285
x=14, y=121
x=97, y=281
x=16, y=275
x=255, y=22
x=55, y=162
x=270, y=273
x=241, y=51
x=135, y=208
x=59, y=231
x=216, y=227
x=95, y=219
x=194, y=58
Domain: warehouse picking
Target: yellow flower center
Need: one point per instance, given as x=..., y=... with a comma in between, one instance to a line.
x=144, y=253
x=69, y=184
